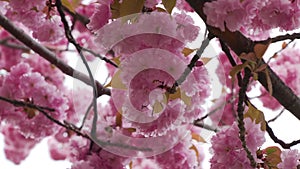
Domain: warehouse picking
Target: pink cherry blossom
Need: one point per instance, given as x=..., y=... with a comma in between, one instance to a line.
x=277, y=13
x=151, y=3
x=222, y=12
x=289, y=159
x=183, y=5
x=23, y=84
x=100, y=17
x=101, y=160
x=17, y=146
x=180, y=156
x=227, y=147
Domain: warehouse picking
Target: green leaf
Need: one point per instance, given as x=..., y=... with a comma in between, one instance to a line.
x=256, y=115
x=127, y=7
x=169, y=5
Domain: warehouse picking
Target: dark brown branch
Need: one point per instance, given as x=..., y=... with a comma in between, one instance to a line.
x=43, y=111
x=277, y=140
x=231, y=60
x=205, y=126
x=281, y=38
x=239, y=44
x=5, y=42
x=48, y=55
x=276, y=117
x=240, y=111
x=25, y=104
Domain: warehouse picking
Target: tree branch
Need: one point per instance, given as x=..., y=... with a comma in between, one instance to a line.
x=239, y=44
x=277, y=140
x=240, y=111
x=280, y=38
x=48, y=55
x=43, y=111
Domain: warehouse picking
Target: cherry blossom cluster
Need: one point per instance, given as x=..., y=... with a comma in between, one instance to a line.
x=38, y=16
x=227, y=147
x=253, y=16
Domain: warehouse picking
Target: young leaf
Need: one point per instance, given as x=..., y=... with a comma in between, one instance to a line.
x=127, y=7
x=260, y=49
x=249, y=57
x=193, y=147
x=273, y=156
x=205, y=60
x=284, y=45
x=256, y=115
x=68, y=5
x=159, y=9
x=157, y=107
x=198, y=138
x=187, y=51
x=186, y=99
x=116, y=81
x=119, y=119
x=169, y=5
x=173, y=96
x=236, y=69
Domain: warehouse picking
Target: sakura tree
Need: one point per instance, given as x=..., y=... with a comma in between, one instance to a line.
x=144, y=97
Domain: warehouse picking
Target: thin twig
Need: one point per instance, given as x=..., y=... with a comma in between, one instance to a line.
x=277, y=140
x=231, y=60
x=99, y=56
x=87, y=112
x=192, y=64
x=71, y=39
x=281, y=38
x=276, y=117
x=240, y=111
x=205, y=126
x=43, y=111
x=25, y=104
x=5, y=42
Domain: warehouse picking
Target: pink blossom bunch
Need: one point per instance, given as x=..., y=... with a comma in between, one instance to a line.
x=17, y=146
x=31, y=14
x=148, y=82
x=155, y=30
x=24, y=85
x=252, y=15
x=289, y=159
x=227, y=147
